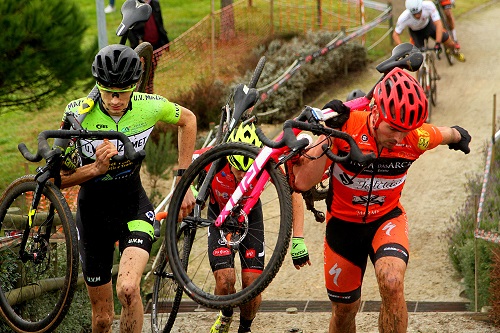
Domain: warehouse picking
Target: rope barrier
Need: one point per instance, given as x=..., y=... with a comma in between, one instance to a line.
x=386, y=15
x=479, y=233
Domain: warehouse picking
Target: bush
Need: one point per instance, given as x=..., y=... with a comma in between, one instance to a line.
x=495, y=288
x=209, y=94
x=311, y=77
x=461, y=240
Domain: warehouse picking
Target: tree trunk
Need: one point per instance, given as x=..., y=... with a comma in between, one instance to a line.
x=227, y=29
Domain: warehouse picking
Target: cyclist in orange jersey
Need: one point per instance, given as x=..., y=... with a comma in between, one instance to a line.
x=364, y=215
x=447, y=6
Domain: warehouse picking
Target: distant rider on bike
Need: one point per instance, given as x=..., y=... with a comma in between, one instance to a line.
x=423, y=21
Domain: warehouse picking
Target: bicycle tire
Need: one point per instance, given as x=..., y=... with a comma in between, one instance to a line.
x=433, y=81
x=167, y=293
x=197, y=280
x=446, y=27
x=257, y=72
x=145, y=51
x=422, y=79
x=320, y=190
x=25, y=305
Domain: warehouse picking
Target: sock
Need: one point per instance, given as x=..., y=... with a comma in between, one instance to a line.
x=245, y=325
x=454, y=34
x=227, y=312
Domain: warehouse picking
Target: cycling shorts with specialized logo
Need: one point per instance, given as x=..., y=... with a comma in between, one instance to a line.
x=101, y=223
x=348, y=245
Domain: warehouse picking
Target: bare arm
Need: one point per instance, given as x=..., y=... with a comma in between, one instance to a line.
x=439, y=30
x=310, y=172
x=187, y=137
x=450, y=135
x=187, y=140
x=104, y=152
x=396, y=37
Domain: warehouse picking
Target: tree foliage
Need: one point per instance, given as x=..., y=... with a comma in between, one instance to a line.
x=41, y=51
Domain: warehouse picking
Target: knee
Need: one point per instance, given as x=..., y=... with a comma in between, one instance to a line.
x=225, y=281
x=391, y=284
x=344, y=310
x=128, y=293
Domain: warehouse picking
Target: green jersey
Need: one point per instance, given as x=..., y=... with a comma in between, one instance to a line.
x=137, y=124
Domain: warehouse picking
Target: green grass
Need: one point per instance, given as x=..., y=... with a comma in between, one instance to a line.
x=178, y=16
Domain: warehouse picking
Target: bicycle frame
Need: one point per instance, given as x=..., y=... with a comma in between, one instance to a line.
x=402, y=57
x=257, y=168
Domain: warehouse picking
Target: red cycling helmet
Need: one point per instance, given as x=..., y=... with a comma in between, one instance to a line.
x=401, y=101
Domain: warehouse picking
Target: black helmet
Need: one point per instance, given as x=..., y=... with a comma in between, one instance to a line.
x=117, y=66
x=356, y=93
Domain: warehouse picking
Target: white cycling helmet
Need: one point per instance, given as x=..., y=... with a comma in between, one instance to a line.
x=414, y=6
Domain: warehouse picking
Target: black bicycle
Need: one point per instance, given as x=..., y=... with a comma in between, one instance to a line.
x=428, y=76
x=38, y=243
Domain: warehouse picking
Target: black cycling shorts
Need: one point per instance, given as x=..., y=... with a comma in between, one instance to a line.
x=419, y=36
x=102, y=221
x=251, y=249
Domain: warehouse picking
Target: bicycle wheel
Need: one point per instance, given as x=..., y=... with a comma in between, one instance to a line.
x=423, y=78
x=320, y=190
x=167, y=293
x=197, y=280
x=446, y=27
x=145, y=51
x=36, y=290
x=433, y=75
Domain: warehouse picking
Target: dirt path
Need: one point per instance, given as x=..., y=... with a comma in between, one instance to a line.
x=433, y=193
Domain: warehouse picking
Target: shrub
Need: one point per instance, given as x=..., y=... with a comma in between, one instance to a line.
x=311, y=77
x=208, y=95
x=461, y=240
x=495, y=288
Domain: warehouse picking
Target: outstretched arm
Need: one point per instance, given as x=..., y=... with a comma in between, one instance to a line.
x=396, y=37
x=456, y=137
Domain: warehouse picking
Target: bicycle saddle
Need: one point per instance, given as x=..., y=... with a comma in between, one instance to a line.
x=244, y=98
x=405, y=55
x=133, y=11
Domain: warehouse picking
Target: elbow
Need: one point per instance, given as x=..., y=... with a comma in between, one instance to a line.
x=301, y=183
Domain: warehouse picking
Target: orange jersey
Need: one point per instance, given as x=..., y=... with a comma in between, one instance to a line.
x=364, y=193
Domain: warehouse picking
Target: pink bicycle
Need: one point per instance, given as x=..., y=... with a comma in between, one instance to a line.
x=266, y=184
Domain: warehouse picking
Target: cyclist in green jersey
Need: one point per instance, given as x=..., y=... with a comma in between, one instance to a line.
x=112, y=203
